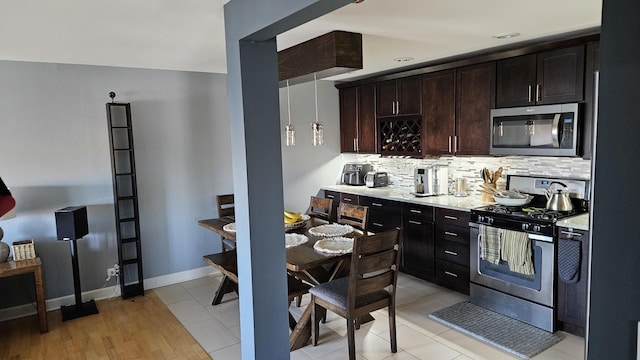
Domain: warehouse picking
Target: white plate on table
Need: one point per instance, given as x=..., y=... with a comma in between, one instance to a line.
x=292, y=240
x=230, y=227
x=328, y=230
x=334, y=245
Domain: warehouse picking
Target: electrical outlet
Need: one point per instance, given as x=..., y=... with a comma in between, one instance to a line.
x=111, y=272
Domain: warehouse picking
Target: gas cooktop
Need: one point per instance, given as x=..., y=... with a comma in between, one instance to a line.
x=528, y=212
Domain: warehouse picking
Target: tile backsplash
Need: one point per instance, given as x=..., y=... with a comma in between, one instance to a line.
x=401, y=169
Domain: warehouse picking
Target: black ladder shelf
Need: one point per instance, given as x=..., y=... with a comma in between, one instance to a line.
x=125, y=193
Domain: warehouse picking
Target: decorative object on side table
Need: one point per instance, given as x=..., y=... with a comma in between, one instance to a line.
x=7, y=203
x=71, y=224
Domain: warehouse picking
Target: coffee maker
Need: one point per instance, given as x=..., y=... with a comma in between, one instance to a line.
x=431, y=180
x=353, y=173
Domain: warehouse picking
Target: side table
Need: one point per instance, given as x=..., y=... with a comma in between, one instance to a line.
x=12, y=268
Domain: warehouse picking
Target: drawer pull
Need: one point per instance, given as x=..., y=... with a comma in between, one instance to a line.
x=347, y=199
x=451, y=274
x=330, y=197
x=450, y=233
x=570, y=233
x=450, y=217
x=416, y=211
x=375, y=204
x=451, y=252
x=415, y=222
x=378, y=224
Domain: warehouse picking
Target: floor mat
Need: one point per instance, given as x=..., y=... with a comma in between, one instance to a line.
x=513, y=336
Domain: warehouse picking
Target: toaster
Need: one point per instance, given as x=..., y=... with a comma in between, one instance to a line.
x=376, y=179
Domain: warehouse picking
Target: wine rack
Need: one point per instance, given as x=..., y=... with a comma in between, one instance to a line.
x=400, y=136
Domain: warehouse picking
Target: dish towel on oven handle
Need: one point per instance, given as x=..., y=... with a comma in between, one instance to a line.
x=489, y=240
x=516, y=251
x=569, y=254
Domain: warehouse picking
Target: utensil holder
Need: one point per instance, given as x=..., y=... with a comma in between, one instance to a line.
x=486, y=197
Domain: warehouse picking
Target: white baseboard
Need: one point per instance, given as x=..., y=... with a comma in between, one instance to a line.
x=25, y=310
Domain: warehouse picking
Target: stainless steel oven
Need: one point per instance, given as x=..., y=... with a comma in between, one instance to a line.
x=493, y=284
x=528, y=298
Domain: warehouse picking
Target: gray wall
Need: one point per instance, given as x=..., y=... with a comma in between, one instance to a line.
x=614, y=306
x=55, y=146
x=55, y=153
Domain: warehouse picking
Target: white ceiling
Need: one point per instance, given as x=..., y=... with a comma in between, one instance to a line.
x=189, y=34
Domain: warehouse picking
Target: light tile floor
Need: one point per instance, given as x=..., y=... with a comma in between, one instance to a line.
x=217, y=328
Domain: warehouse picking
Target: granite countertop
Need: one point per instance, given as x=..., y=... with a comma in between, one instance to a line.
x=403, y=194
x=580, y=222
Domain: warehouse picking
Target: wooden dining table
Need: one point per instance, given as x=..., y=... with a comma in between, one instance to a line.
x=304, y=262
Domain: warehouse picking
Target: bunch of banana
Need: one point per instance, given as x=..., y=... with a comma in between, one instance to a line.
x=291, y=217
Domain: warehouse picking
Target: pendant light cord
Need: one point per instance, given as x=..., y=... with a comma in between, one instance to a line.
x=288, y=102
x=315, y=86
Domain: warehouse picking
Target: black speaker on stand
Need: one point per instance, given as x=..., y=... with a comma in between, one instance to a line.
x=71, y=225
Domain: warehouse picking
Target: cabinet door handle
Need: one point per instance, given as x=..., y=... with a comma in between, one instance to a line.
x=449, y=143
x=529, y=93
x=450, y=217
x=455, y=144
x=355, y=147
x=357, y=144
x=451, y=252
x=415, y=222
x=451, y=274
x=377, y=224
x=393, y=107
x=415, y=211
x=347, y=199
x=537, y=92
x=397, y=107
x=570, y=234
x=376, y=204
x=450, y=233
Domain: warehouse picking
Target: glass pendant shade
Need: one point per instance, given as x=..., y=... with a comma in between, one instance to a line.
x=318, y=134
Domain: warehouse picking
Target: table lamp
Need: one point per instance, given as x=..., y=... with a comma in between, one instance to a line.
x=71, y=225
x=7, y=203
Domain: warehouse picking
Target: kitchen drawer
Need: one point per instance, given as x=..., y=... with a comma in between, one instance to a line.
x=417, y=212
x=349, y=198
x=453, y=217
x=333, y=195
x=452, y=276
x=452, y=251
x=380, y=221
x=453, y=233
x=382, y=205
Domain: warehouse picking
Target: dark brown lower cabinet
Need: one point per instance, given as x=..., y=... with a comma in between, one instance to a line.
x=452, y=249
x=572, y=297
x=417, y=242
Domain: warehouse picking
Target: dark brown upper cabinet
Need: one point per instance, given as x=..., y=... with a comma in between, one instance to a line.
x=590, y=94
x=357, y=119
x=438, y=112
x=549, y=77
x=399, y=97
x=475, y=97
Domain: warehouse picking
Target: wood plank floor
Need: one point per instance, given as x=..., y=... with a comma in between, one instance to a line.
x=138, y=328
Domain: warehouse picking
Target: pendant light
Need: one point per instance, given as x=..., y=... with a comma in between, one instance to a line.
x=289, y=130
x=318, y=133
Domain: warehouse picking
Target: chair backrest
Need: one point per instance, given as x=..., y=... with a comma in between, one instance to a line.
x=320, y=208
x=375, y=263
x=354, y=215
x=225, y=205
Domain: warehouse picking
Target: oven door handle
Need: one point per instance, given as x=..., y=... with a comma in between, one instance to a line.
x=541, y=238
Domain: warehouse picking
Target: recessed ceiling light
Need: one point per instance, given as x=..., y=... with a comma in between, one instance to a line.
x=506, y=35
x=403, y=59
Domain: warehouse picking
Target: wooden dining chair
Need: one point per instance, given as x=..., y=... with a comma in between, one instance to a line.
x=354, y=215
x=371, y=285
x=226, y=208
x=320, y=208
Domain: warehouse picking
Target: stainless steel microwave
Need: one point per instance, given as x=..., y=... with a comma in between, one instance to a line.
x=545, y=130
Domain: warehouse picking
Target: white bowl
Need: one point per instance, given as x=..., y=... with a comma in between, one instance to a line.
x=511, y=201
